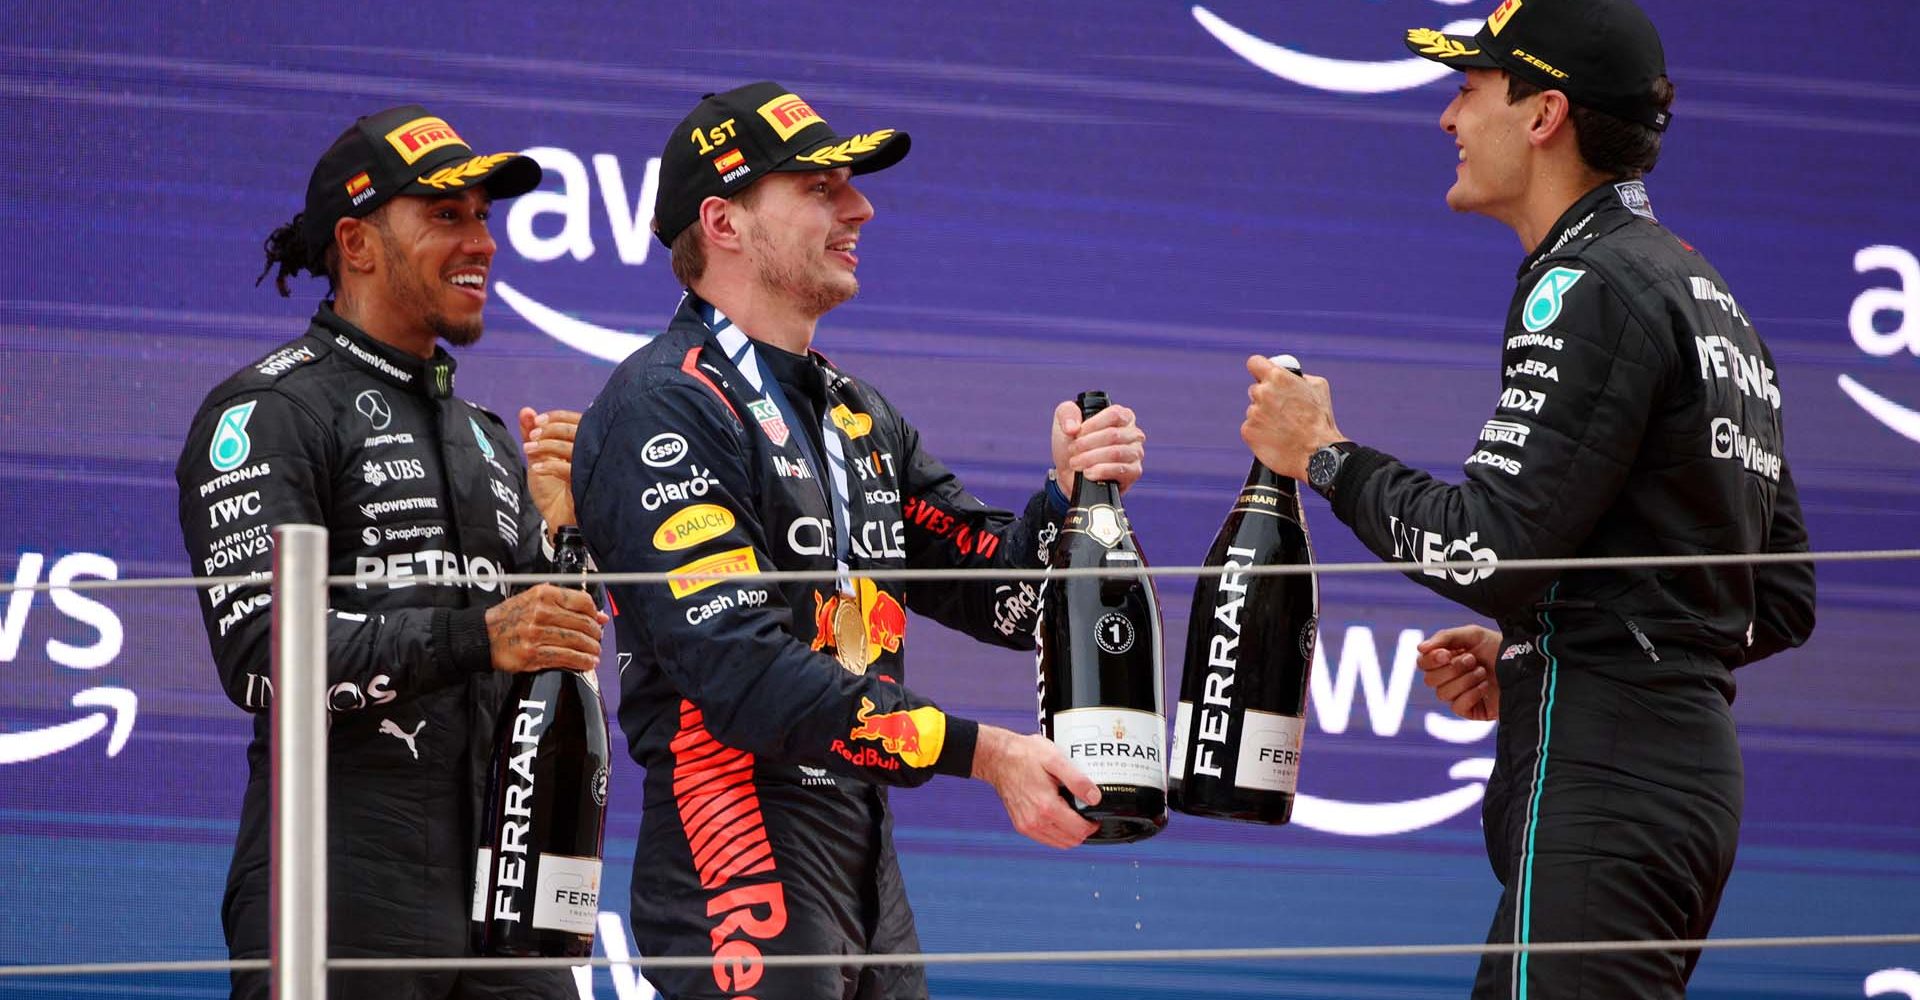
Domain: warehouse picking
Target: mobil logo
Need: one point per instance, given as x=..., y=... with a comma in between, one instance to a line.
x=1298, y=42
x=103, y=708
x=586, y=226
x=1357, y=670
x=1885, y=324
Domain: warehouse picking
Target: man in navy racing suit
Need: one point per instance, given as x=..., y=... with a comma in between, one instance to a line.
x=769, y=717
x=354, y=426
x=1640, y=415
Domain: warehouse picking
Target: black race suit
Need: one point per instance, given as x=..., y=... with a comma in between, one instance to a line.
x=765, y=828
x=1639, y=415
x=339, y=430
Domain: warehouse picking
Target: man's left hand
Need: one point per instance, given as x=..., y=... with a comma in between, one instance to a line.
x=547, y=439
x=1107, y=446
x=1289, y=417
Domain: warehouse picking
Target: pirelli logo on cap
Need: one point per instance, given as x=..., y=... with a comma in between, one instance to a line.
x=789, y=114
x=1498, y=19
x=421, y=136
x=732, y=562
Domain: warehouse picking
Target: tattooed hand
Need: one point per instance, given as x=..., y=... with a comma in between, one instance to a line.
x=544, y=627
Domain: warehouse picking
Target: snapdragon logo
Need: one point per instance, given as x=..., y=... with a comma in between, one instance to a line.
x=557, y=222
x=1898, y=302
x=1340, y=76
x=1358, y=670
x=102, y=708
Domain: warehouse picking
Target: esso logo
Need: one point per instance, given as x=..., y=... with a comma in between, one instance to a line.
x=664, y=450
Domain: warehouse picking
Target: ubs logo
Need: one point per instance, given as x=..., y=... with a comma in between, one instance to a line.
x=1340, y=76
x=1900, y=302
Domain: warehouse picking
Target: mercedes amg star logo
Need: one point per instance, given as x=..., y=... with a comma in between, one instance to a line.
x=373, y=406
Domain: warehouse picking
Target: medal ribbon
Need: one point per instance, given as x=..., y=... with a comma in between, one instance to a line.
x=740, y=350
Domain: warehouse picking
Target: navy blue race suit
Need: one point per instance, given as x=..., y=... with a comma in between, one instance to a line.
x=1639, y=414
x=337, y=429
x=766, y=744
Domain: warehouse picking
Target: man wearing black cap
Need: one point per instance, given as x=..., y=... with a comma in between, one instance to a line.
x=1639, y=416
x=354, y=426
x=769, y=717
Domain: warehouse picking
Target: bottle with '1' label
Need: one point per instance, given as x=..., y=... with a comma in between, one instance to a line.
x=536, y=885
x=1100, y=666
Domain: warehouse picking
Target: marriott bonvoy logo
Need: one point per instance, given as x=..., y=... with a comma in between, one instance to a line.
x=558, y=221
x=1340, y=76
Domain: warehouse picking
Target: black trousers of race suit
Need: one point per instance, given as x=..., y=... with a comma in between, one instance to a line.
x=1613, y=814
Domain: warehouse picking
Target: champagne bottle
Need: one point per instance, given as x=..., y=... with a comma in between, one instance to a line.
x=1238, y=725
x=537, y=877
x=1099, y=656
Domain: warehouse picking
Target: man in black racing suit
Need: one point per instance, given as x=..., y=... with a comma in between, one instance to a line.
x=354, y=426
x=1639, y=416
x=769, y=717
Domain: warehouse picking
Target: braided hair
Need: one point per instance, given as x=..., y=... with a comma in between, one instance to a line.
x=289, y=250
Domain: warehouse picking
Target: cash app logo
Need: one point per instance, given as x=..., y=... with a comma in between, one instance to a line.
x=1543, y=305
x=230, y=442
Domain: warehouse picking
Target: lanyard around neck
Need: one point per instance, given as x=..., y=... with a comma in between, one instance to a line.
x=739, y=349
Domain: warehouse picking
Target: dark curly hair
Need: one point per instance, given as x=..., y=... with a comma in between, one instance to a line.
x=1611, y=146
x=287, y=248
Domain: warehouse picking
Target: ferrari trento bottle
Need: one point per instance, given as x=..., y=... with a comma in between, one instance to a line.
x=1238, y=725
x=536, y=886
x=1099, y=662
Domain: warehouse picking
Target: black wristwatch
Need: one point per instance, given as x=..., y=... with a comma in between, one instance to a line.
x=1323, y=466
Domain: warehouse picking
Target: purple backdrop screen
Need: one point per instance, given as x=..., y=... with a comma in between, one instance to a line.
x=1129, y=195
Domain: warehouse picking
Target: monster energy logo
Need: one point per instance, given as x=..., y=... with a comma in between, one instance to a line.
x=443, y=380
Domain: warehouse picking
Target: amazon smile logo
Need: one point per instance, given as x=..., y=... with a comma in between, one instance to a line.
x=105, y=708
x=1340, y=76
x=1900, y=302
x=552, y=223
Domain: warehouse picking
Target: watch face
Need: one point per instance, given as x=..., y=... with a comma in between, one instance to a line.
x=1322, y=467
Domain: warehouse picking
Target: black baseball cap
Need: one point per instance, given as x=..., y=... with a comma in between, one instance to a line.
x=1603, y=54
x=731, y=140
x=403, y=150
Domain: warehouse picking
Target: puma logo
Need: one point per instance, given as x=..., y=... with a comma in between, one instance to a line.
x=391, y=728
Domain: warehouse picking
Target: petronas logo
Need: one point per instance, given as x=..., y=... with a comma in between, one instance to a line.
x=230, y=442
x=480, y=437
x=1543, y=306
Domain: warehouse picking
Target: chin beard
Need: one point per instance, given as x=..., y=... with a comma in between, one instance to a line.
x=457, y=334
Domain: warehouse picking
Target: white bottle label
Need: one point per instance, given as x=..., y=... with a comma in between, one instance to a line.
x=1270, y=751
x=481, y=869
x=567, y=894
x=1182, y=718
x=1114, y=746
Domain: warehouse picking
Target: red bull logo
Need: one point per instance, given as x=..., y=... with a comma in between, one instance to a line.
x=915, y=736
x=421, y=136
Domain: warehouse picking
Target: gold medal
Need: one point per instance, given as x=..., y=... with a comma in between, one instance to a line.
x=850, y=634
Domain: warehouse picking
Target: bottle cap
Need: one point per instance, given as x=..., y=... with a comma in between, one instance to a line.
x=1091, y=402
x=1287, y=361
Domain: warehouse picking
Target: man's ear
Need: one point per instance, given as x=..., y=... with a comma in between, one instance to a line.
x=719, y=222
x=1550, y=118
x=360, y=251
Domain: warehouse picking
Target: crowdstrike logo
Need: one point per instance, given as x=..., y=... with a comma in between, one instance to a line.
x=1900, y=302
x=1340, y=76
x=531, y=231
x=1358, y=669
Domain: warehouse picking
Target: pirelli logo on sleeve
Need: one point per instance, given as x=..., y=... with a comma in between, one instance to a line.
x=788, y=114
x=421, y=136
x=732, y=562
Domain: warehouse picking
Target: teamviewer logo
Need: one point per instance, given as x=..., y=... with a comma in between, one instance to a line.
x=1723, y=435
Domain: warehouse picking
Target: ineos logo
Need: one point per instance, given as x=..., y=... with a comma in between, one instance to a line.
x=373, y=406
x=663, y=451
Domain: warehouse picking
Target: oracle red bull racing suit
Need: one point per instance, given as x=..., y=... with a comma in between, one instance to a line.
x=766, y=737
x=1639, y=414
x=337, y=429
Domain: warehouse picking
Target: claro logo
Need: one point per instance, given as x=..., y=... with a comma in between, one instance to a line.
x=1357, y=670
x=105, y=708
x=552, y=223
x=1341, y=76
x=1898, y=303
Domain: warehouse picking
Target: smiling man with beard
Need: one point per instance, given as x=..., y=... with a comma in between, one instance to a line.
x=354, y=426
x=770, y=718
x=1640, y=415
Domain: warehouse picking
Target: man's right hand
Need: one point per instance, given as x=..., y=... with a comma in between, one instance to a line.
x=1028, y=772
x=1458, y=664
x=544, y=627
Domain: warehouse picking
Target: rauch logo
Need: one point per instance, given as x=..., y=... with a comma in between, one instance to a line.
x=1341, y=76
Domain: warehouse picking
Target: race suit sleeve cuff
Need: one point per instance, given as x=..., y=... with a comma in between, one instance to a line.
x=1055, y=496
x=460, y=634
x=956, y=757
x=1362, y=462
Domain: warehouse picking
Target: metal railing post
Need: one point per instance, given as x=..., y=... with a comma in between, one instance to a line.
x=299, y=899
